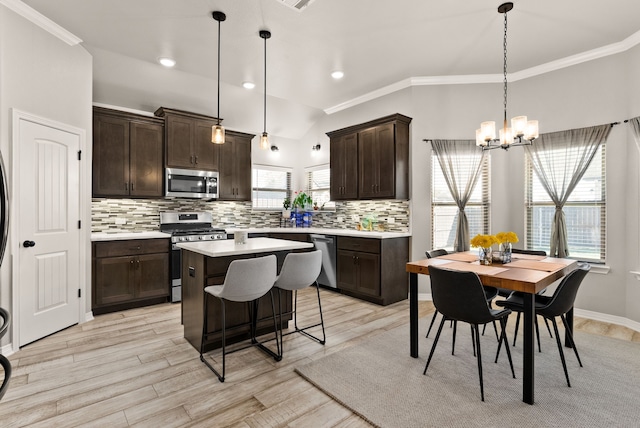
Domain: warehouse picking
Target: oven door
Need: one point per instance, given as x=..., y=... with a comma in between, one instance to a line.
x=176, y=279
x=188, y=183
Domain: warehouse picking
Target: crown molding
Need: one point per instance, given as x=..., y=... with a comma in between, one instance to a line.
x=612, y=49
x=41, y=21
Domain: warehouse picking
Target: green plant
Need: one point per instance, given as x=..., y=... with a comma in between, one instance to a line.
x=286, y=204
x=301, y=200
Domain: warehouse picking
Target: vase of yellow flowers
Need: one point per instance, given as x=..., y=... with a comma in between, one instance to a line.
x=505, y=241
x=484, y=243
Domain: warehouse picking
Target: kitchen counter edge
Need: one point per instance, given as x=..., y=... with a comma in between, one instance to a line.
x=323, y=231
x=121, y=236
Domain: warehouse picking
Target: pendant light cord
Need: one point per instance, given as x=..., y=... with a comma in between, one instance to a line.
x=265, y=85
x=504, y=47
x=218, y=113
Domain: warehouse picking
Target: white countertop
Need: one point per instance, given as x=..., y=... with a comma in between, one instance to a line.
x=324, y=231
x=120, y=236
x=253, y=245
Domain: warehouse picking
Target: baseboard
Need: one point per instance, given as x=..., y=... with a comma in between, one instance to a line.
x=6, y=350
x=582, y=313
x=88, y=316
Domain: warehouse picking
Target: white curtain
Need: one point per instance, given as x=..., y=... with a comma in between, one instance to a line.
x=461, y=175
x=635, y=127
x=560, y=159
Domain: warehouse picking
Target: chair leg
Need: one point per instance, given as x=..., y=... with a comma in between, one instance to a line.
x=433, y=319
x=295, y=321
x=564, y=363
x=515, y=332
x=433, y=347
x=279, y=349
x=503, y=338
x=537, y=332
x=473, y=342
x=205, y=334
x=573, y=343
x=453, y=343
x=546, y=322
x=477, y=339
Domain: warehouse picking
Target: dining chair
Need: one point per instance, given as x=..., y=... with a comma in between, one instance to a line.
x=460, y=296
x=490, y=292
x=246, y=280
x=300, y=270
x=554, y=306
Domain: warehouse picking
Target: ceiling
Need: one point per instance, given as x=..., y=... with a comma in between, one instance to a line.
x=376, y=43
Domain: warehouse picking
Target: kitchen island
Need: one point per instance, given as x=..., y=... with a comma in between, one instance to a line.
x=206, y=263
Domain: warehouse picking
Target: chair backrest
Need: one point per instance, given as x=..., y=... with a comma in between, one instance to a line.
x=299, y=270
x=565, y=295
x=435, y=253
x=459, y=295
x=531, y=252
x=249, y=279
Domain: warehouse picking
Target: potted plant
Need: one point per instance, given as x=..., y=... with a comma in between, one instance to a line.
x=286, y=205
x=302, y=201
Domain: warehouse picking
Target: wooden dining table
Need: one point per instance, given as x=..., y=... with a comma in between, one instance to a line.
x=526, y=273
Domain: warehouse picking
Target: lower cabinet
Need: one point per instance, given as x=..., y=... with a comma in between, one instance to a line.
x=128, y=274
x=373, y=269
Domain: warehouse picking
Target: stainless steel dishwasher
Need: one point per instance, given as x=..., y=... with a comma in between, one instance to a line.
x=326, y=244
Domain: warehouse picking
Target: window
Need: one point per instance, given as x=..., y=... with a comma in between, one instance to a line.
x=585, y=211
x=318, y=185
x=444, y=211
x=270, y=186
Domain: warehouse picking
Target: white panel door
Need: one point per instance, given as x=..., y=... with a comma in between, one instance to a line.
x=49, y=246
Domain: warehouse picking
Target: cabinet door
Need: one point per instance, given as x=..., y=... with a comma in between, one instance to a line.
x=368, y=273
x=347, y=273
x=146, y=163
x=180, y=136
x=343, y=167
x=242, y=170
x=152, y=275
x=385, y=161
x=367, y=163
x=205, y=152
x=115, y=280
x=110, y=156
x=226, y=182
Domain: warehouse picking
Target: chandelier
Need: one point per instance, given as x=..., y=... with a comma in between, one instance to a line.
x=264, y=139
x=217, y=130
x=522, y=131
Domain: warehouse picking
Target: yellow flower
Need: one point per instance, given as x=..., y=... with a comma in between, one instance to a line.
x=483, y=241
x=504, y=237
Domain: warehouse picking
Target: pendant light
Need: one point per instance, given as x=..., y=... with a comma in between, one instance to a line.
x=264, y=139
x=522, y=131
x=217, y=131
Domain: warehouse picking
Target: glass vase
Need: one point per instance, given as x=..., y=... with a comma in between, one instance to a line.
x=505, y=252
x=485, y=255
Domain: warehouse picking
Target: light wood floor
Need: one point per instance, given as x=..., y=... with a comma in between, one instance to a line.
x=134, y=368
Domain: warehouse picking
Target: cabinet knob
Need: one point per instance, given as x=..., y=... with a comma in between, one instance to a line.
x=126, y=187
x=132, y=186
x=196, y=160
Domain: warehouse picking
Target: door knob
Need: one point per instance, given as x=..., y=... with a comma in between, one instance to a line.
x=27, y=244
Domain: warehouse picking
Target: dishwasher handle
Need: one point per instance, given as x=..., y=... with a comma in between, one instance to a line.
x=322, y=239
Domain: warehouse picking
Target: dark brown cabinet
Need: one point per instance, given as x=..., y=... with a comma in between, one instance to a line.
x=127, y=154
x=373, y=269
x=235, y=167
x=188, y=140
x=129, y=273
x=379, y=166
x=343, y=158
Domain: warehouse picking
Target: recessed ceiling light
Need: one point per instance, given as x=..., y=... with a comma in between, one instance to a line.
x=167, y=62
x=248, y=85
x=337, y=74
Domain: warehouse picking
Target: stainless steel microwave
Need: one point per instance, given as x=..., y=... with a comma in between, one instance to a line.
x=187, y=183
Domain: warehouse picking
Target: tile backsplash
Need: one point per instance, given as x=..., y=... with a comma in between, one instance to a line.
x=127, y=215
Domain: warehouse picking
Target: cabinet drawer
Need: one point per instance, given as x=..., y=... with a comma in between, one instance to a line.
x=367, y=245
x=131, y=247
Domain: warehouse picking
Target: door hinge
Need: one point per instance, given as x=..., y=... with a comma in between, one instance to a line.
x=79, y=224
x=79, y=293
x=79, y=154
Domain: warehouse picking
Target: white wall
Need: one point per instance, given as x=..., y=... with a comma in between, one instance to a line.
x=593, y=93
x=42, y=75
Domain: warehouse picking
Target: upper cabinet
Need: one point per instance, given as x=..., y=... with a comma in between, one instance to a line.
x=371, y=160
x=188, y=140
x=127, y=154
x=235, y=167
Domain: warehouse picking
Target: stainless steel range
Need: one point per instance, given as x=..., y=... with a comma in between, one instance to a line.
x=186, y=227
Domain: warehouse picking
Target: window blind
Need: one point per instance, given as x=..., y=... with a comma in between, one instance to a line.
x=318, y=183
x=270, y=186
x=585, y=210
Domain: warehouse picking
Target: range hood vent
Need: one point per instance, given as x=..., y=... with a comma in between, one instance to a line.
x=298, y=5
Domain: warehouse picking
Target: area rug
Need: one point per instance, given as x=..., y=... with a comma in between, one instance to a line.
x=379, y=381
